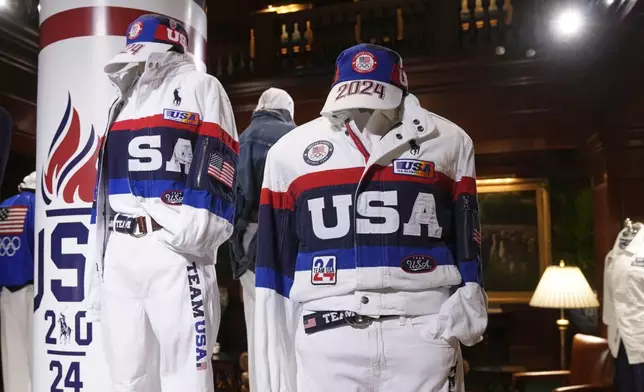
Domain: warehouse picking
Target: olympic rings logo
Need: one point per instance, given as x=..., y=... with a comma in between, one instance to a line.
x=9, y=246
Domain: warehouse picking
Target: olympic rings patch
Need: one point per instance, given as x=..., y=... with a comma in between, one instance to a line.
x=9, y=246
x=318, y=152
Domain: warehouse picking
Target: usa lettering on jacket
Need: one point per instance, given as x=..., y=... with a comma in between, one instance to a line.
x=376, y=213
x=146, y=154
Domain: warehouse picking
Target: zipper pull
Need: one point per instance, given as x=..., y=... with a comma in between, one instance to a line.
x=466, y=204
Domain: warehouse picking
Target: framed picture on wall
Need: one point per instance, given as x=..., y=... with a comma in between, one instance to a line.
x=516, y=247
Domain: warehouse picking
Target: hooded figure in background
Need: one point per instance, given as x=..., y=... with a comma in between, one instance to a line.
x=17, y=281
x=272, y=119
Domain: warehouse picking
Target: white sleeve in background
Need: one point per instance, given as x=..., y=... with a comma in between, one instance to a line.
x=276, y=316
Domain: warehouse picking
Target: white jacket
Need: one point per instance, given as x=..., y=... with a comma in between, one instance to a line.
x=623, y=311
x=170, y=127
x=388, y=229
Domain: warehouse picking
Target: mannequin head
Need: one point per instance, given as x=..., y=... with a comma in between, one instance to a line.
x=149, y=34
x=28, y=183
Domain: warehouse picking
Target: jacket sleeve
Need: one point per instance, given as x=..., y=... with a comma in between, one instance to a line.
x=276, y=316
x=464, y=315
x=608, y=309
x=207, y=212
x=243, y=185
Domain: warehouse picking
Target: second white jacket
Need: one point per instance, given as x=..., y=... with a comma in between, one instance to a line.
x=623, y=311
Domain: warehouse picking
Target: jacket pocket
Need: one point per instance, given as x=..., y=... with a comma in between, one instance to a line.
x=429, y=329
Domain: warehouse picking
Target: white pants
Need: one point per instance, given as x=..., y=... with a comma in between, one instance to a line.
x=390, y=355
x=158, y=305
x=247, y=281
x=16, y=316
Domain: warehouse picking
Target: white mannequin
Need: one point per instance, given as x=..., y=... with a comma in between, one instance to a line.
x=127, y=77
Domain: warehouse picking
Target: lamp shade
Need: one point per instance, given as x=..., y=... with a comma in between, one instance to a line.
x=563, y=287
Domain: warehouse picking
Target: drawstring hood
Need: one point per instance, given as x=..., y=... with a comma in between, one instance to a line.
x=276, y=100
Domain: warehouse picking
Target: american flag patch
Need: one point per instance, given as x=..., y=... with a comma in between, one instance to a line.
x=221, y=170
x=202, y=365
x=310, y=323
x=12, y=219
x=476, y=236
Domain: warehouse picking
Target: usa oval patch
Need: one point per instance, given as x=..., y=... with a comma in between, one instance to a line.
x=172, y=198
x=418, y=264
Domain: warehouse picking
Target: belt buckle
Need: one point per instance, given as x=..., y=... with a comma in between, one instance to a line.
x=140, y=223
x=359, y=320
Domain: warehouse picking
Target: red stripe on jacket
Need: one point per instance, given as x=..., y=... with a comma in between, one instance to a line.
x=158, y=121
x=286, y=200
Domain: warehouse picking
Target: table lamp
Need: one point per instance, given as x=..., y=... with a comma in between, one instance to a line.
x=563, y=287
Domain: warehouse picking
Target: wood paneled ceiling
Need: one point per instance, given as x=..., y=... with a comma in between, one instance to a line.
x=529, y=104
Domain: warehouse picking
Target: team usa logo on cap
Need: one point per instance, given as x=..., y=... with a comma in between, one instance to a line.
x=135, y=30
x=364, y=62
x=399, y=76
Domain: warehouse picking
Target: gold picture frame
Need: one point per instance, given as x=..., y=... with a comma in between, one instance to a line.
x=517, y=186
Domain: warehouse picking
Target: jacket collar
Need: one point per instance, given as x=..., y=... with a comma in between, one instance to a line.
x=414, y=122
x=637, y=243
x=280, y=114
x=158, y=66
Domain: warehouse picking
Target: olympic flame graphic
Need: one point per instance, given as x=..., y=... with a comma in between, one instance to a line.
x=71, y=169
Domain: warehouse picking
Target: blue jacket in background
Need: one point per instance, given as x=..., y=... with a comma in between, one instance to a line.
x=265, y=129
x=17, y=244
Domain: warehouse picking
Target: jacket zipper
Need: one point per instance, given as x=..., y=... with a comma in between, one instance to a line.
x=101, y=199
x=467, y=229
x=366, y=170
x=202, y=161
x=135, y=97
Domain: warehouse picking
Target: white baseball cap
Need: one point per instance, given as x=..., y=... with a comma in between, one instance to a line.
x=367, y=76
x=149, y=34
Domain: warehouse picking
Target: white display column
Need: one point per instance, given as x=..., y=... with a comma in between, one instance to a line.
x=78, y=37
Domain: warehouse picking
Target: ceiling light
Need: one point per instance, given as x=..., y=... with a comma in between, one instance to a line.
x=568, y=23
x=4, y=3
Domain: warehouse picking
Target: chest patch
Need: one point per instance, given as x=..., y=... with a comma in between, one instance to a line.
x=324, y=271
x=638, y=262
x=173, y=197
x=418, y=264
x=181, y=117
x=413, y=167
x=318, y=152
